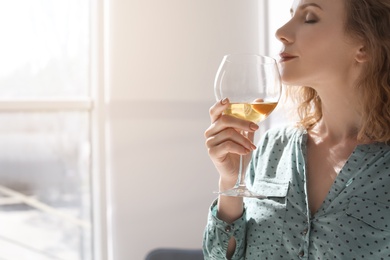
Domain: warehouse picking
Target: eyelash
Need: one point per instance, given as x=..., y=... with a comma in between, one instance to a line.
x=310, y=21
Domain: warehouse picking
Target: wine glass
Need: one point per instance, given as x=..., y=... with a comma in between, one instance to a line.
x=253, y=85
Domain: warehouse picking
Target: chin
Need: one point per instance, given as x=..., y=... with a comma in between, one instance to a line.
x=290, y=80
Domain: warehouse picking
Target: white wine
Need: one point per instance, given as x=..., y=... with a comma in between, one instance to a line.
x=254, y=112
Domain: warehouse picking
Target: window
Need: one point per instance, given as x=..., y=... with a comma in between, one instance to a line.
x=45, y=130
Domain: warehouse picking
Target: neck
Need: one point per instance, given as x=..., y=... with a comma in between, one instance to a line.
x=341, y=117
x=340, y=120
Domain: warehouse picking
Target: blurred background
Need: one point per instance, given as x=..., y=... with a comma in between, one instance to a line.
x=103, y=107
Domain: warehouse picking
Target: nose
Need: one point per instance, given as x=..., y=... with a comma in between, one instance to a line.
x=284, y=34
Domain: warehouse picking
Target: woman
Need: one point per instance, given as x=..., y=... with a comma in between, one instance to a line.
x=328, y=179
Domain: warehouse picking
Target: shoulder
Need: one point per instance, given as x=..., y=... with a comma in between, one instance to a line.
x=278, y=147
x=278, y=140
x=283, y=134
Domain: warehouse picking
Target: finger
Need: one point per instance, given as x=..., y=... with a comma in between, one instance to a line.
x=217, y=109
x=222, y=150
x=225, y=121
x=257, y=100
x=230, y=135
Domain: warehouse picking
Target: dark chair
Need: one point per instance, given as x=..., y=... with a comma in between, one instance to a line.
x=175, y=254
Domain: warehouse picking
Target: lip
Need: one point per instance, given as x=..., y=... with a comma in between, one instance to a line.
x=284, y=56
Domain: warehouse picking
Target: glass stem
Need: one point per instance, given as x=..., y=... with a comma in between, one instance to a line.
x=241, y=171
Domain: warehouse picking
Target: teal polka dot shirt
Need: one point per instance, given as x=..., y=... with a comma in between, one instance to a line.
x=352, y=223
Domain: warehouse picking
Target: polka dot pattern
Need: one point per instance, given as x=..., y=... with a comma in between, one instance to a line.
x=352, y=223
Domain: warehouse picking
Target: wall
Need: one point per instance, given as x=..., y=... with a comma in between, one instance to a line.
x=162, y=58
x=279, y=14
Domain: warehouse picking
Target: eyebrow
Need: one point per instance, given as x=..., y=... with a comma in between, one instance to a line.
x=305, y=6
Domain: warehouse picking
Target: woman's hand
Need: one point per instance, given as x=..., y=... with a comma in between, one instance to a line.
x=225, y=142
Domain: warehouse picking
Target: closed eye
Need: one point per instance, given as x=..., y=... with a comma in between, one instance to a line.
x=310, y=21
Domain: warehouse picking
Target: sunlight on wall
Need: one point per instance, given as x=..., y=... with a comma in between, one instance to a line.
x=279, y=14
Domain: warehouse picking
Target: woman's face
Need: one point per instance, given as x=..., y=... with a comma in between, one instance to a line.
x=316, y=50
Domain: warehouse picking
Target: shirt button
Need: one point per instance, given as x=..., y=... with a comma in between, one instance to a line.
x=301, y=254
x=228, y=228
x=304, y=232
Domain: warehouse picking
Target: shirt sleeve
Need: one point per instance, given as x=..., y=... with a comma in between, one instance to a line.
x=218, y=233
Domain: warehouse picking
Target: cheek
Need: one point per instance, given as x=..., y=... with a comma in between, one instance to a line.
x=320, y=60
x=329, y=61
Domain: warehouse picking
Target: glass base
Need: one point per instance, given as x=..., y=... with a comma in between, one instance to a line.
x=241, y=191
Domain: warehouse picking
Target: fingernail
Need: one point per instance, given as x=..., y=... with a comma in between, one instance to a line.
x=253, y=126
x=224, y=101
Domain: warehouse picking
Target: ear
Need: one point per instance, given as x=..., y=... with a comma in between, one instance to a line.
x=361, y=55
